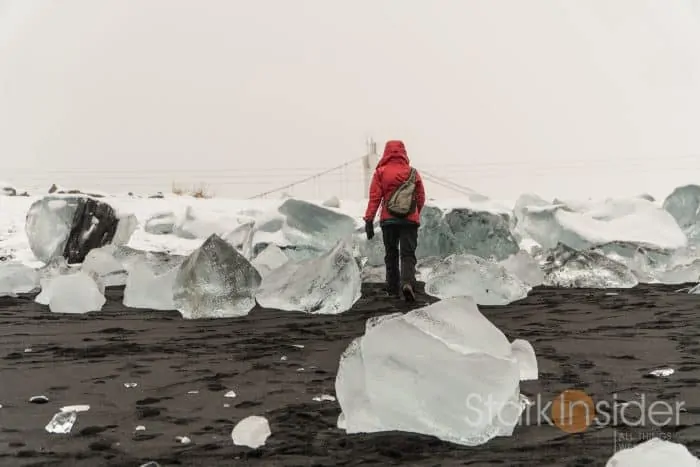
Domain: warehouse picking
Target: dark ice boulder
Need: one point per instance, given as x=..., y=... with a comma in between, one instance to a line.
x=465, y=231
x=71, y=226
x=444, y=232
x=215, y=281
x=566, y=267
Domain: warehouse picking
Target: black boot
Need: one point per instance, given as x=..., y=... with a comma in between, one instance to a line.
x=408, y=293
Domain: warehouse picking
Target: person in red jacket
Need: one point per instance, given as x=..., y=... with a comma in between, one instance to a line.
x=400, y=234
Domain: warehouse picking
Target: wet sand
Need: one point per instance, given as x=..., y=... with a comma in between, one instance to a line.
x=584, y=339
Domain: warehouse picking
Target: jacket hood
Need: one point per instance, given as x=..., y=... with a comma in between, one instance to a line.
x=394, y=150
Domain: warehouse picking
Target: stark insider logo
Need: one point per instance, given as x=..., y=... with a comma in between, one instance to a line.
x=573, y=411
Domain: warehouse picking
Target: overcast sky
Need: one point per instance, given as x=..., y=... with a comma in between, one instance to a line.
x=561, y=98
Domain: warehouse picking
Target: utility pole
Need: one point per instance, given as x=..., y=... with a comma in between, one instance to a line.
x=369, y=163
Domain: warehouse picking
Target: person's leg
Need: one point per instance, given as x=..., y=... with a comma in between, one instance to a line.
x=391, y=235
x=408, y=240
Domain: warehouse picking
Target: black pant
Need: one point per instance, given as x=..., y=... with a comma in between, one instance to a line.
x=403, y=238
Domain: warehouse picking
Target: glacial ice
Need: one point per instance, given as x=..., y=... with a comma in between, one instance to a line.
x=313, y=225
x=71, y=226
x=582, y=226
x=160, y=223
x=195, y=224
x=566, y=267
x=466, y=231
x=646, y=263
x=49, y=223
x=684, y=205
x=467, y=275
x=62, y=422
x=74, y=293
x=271, y=258
x=242, y=239
x=252, y=432
x=303, y=229
x=388, y=378
x=654, y=453
x=148, y=290
x=329, y=284
x=524, y=267
x=127, y=224
x=215, y=281
x=16, y=278
x=101, y=262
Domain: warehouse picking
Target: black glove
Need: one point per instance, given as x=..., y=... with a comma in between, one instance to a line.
x=369, y=229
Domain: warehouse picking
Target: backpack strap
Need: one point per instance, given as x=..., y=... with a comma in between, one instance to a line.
x=412, y=176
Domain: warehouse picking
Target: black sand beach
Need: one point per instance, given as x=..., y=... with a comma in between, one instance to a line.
x=585, y=339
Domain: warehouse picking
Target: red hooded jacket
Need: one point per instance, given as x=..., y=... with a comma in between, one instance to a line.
x=393, y=169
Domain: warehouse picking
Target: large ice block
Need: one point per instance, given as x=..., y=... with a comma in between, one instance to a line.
x=71, y=226
x=443, y=370
x=329, y=284
x=215, y=281
x=467, y=275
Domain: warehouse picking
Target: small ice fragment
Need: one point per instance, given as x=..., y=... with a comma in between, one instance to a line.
x=130, y=385
x=227, y=406
x=611, y=293
x=252, y=431
x=183, y=439
x=28, y=350
x=284, y=358
x=75, y=408
x=230, y=394
x=662, y=372
x=298, y=346
x=341, y=421
x=0, y=406
x=62, y=422
x=38, y=399
x=140, y=428
x=324, y=397
x=300, y=369
x=192, y=392
x=150, y=464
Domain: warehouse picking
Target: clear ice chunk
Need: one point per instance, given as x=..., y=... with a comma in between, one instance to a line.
x=215, y=281
x=388, y=378
x=160, y=223
x=17, y=278
x=62, y=423
x=148, y=290
x=101, y=262
x=271, y=258
x=684, y=205
x=252, y=432
x=467, y=275
x=329, y=284
x=524, y=267
x=566, y=267
x=74, y=293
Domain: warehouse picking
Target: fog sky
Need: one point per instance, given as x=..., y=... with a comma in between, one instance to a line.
x=559, y=97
